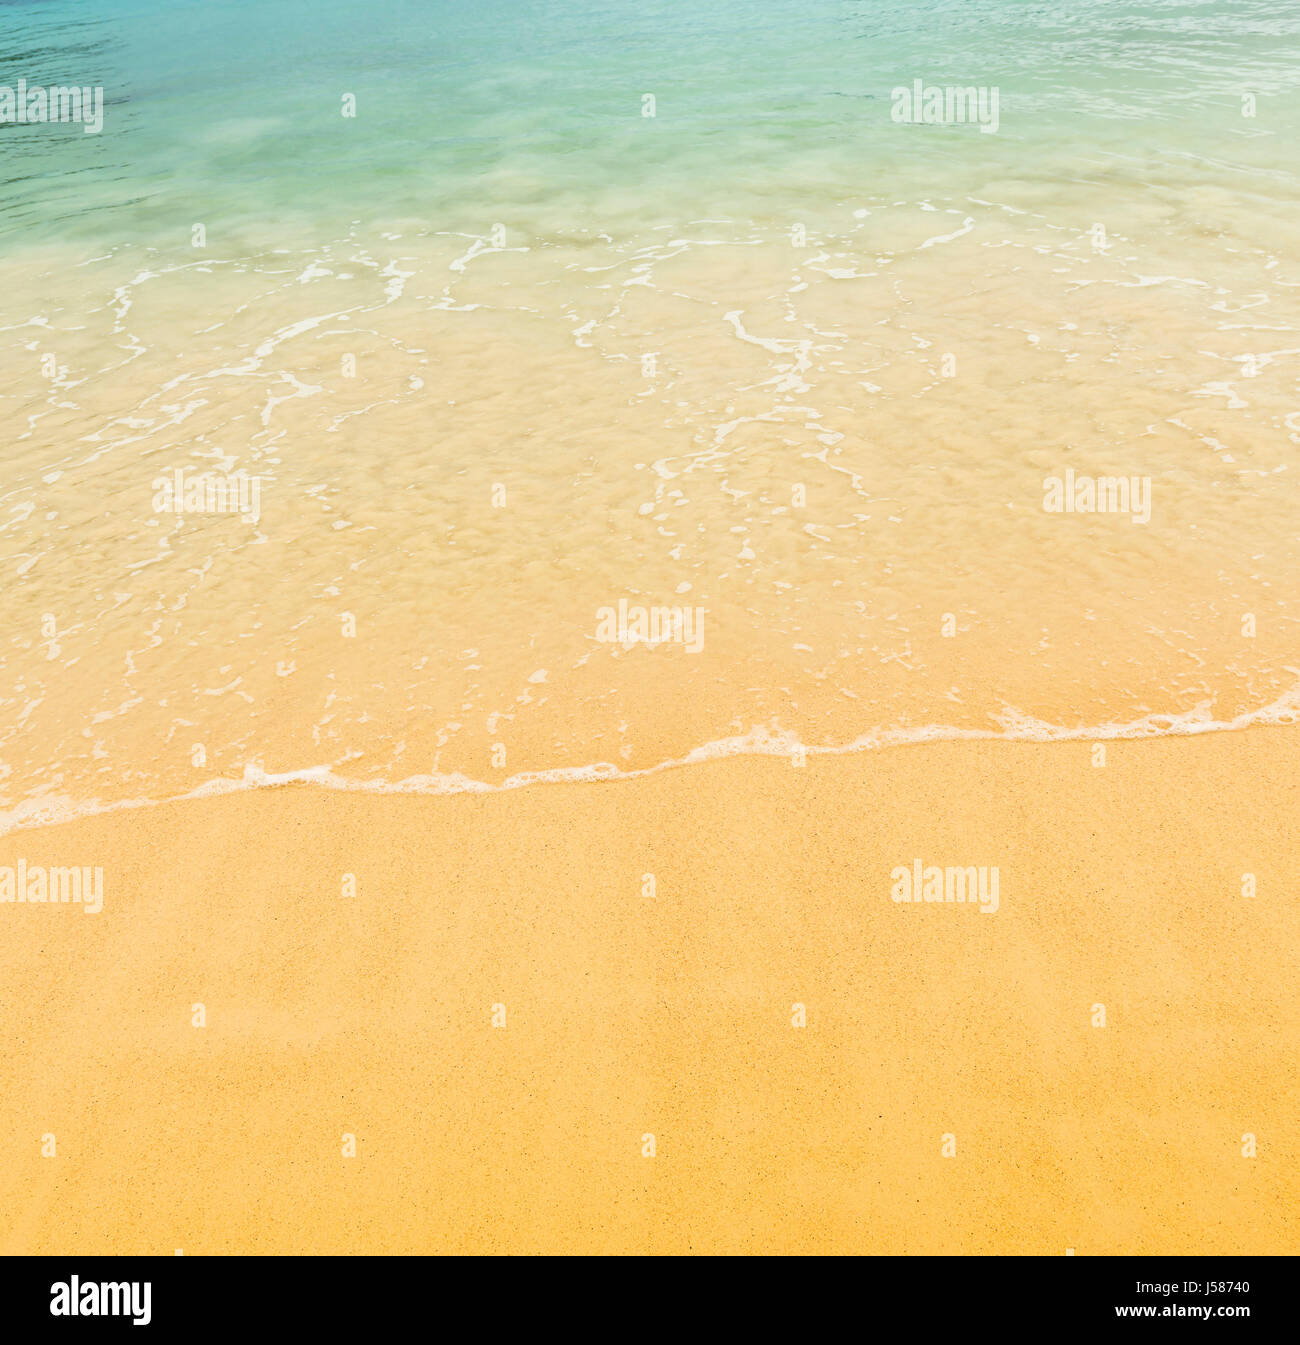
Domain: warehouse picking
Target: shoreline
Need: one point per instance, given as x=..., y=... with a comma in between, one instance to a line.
x=759, y=742
x=672, y=1015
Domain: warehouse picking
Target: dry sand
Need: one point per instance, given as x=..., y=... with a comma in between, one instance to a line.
x=671, y=1015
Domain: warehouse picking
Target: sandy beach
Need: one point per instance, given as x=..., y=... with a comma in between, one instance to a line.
x=649, y=630
x=626, y=1015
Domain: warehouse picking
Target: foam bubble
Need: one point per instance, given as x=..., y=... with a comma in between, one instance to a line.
x=770, y=740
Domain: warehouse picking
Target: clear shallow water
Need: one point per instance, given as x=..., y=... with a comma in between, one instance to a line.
x=868, y=345
x=231, y=113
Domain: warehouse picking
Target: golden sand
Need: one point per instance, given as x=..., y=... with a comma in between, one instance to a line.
x=628, y=1016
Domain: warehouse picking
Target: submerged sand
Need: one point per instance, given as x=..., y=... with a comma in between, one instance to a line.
x=671, y=1015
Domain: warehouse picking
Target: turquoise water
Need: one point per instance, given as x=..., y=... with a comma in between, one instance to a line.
x=528, y=113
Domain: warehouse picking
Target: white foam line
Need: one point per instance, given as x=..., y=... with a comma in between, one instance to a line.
x=947, y=238
x=773, y=741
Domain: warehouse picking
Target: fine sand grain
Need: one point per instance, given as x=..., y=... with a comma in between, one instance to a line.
x=629, y=1016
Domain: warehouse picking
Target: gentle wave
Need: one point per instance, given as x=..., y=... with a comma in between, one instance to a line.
x=764, y=741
